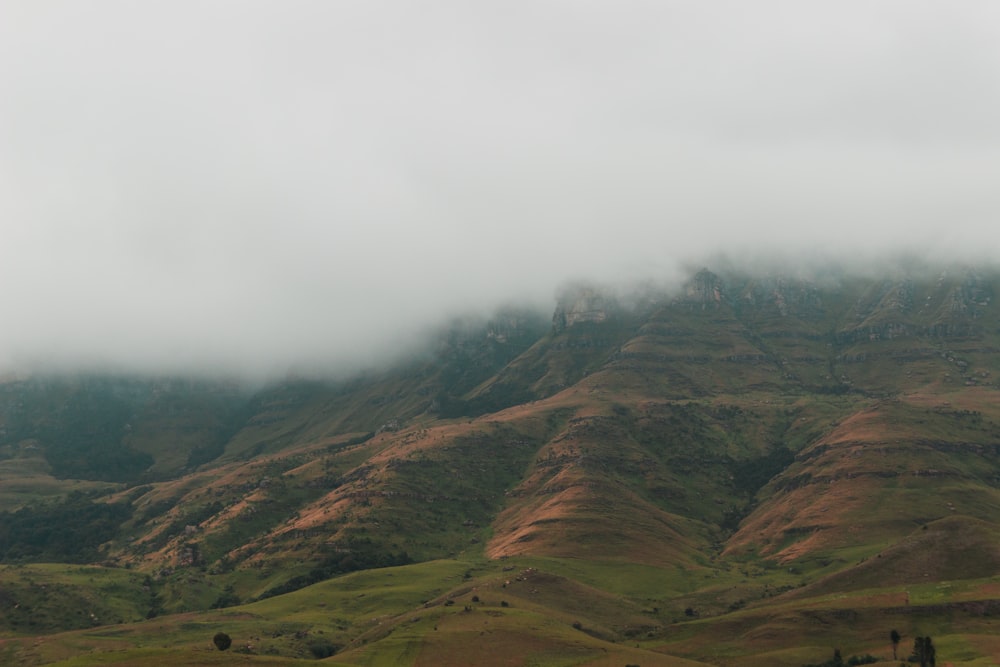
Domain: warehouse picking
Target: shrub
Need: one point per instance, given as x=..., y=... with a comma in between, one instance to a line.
x=222, y=641
x=323, y=648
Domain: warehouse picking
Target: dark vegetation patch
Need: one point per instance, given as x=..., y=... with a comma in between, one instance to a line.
x=498, y=397
x=751, y=475
x=838, y=660
x=86, y=440
x=70, y=531
x=351, y=442
x=110, y=429
x=358, y=554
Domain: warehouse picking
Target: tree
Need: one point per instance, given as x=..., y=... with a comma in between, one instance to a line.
x=924, y=652
x=222, y=641
x=894, y=638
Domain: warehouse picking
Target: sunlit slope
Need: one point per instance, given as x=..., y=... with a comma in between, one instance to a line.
x=877, y=475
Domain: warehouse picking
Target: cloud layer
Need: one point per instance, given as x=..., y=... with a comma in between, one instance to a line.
x=247, y=186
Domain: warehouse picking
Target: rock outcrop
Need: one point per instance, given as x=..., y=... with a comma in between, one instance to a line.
x=583, y=303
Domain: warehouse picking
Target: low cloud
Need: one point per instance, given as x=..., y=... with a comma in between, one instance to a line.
x=247, y=187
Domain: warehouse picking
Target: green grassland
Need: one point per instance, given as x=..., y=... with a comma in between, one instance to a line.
x=540, y=611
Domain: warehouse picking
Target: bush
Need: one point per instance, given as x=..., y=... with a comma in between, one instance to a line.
x=322, y=648
x=222, y=641
x=838, y=660
x=362, y=555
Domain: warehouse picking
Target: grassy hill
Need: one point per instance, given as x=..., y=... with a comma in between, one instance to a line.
x=750, y=469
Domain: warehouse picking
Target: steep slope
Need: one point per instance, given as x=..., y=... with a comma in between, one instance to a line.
x=877, y=475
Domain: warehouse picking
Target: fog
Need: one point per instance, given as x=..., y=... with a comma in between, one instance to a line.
x=248, y=187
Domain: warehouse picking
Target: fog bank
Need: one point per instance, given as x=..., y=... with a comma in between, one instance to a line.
x=247, y=187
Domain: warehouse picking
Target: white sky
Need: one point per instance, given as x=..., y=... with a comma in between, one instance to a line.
x=249, y=185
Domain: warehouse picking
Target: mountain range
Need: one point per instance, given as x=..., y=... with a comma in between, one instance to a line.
x=753, y=467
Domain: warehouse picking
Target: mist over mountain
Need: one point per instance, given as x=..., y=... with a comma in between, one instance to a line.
x=746, y=463
x=258, y=189
x=659, y=333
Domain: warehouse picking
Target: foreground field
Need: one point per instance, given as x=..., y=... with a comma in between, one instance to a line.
x=531, y=611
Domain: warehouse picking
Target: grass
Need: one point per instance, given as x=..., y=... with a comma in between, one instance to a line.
x=557, y=612
x=41, y=598
x=206, y=657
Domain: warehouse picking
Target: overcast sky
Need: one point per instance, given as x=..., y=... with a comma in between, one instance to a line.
x=252, y=185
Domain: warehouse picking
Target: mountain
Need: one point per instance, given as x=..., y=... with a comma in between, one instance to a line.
x=749, y=468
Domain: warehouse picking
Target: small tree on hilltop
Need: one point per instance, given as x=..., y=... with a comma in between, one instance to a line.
x=222, y=641
x=894, y=638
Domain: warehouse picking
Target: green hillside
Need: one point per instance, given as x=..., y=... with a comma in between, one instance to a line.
x=749, y=469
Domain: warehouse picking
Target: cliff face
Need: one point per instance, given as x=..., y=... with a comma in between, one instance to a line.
x=582, y=303
x=704, y=290
x=514, y=324
x=783, y=296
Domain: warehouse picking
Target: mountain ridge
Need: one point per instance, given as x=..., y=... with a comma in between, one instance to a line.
x=740, y=421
